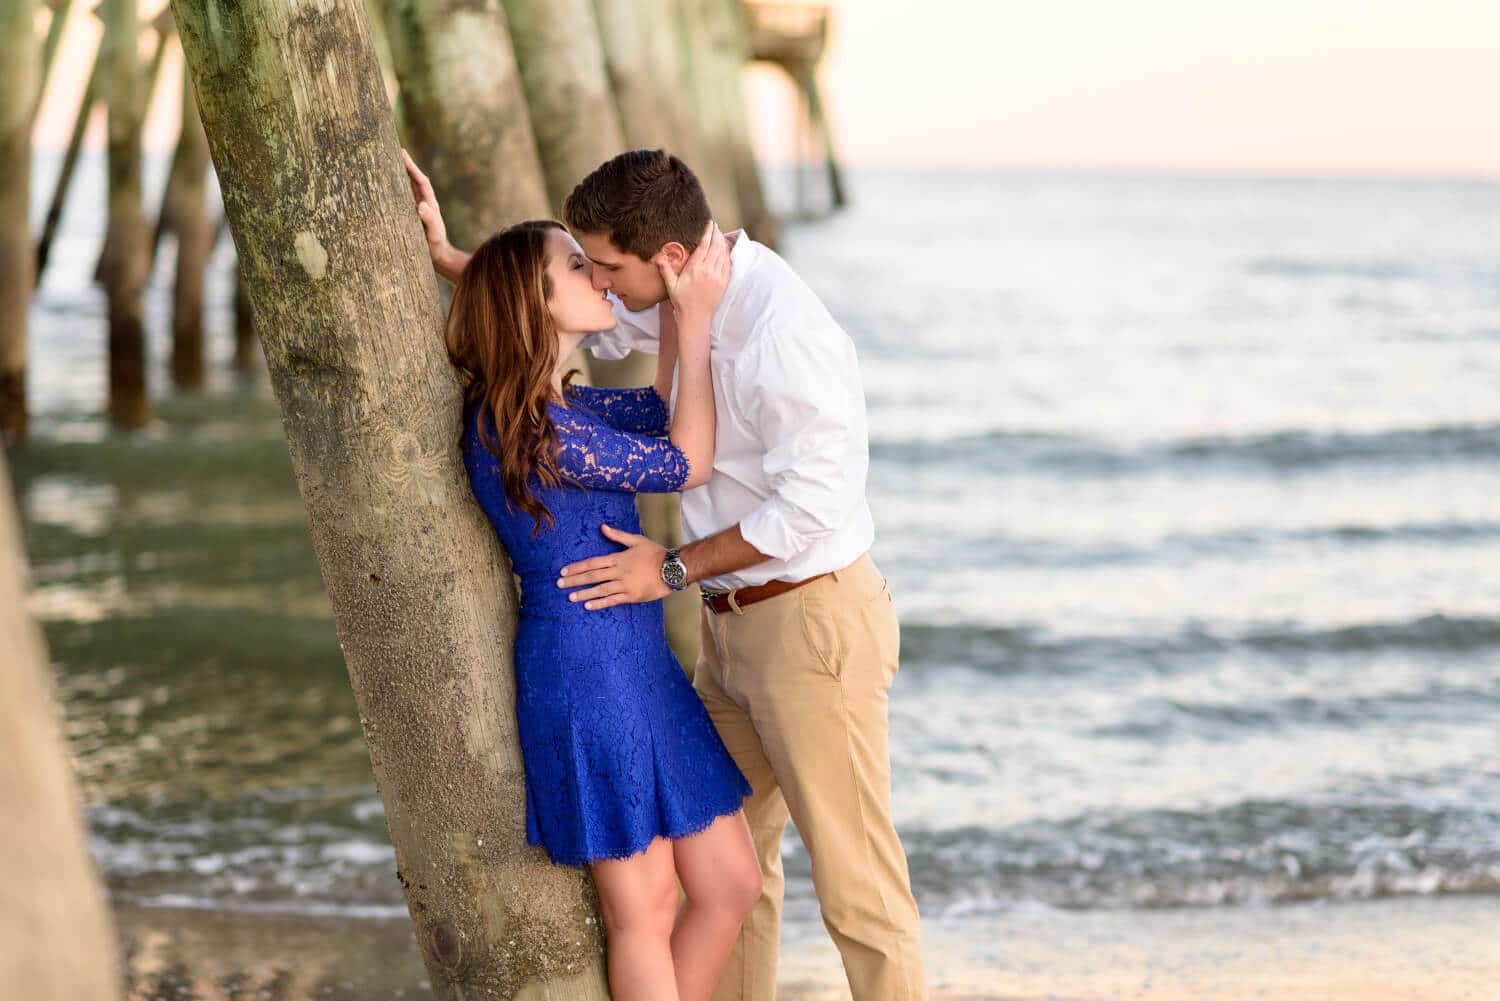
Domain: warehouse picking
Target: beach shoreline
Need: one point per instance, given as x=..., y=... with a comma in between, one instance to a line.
x=1397, y=949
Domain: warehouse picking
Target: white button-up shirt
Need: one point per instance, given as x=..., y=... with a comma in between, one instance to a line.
x=792, y=446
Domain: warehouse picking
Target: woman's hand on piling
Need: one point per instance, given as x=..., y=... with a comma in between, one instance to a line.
x=696, y=290
x=427, y=209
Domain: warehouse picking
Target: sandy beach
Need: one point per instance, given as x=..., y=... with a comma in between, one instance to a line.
x=1390, y=950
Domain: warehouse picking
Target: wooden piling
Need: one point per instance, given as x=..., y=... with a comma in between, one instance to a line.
x=163, y=27
x=702, y=52
x=59, y=940
x=730, y=56
x=247, y=352
x=465, y=117
x=643, y=91
x=124, y=262
x=64, y=180
x=55, y=27
x=19, y=69
x=184, y=210
x=573, y=114
x=334, y=257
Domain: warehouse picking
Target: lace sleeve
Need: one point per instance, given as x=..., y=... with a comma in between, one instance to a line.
x=641, y=410
x=606, y=458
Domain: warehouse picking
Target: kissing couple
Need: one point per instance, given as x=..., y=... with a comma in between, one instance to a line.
x=757, y=416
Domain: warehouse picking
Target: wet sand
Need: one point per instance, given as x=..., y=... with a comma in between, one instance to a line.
x=1391, y=950
x=1388, y=950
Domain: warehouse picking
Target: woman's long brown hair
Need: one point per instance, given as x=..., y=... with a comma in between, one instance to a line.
x=500, y=336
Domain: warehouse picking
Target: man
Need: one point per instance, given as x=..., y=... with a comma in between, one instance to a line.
x=800, y=639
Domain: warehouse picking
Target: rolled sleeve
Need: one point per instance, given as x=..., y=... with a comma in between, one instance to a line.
x=815, y=462
x=780, y=529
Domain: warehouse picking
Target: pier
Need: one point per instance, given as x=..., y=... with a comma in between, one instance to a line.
x=794, y=37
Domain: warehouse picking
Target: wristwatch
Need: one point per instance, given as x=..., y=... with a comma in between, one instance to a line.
x=672, y=570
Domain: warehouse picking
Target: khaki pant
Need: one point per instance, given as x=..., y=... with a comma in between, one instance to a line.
x=797, y=686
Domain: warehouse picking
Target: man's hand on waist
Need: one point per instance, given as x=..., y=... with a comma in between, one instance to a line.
x=634, y=575
x=628, y=577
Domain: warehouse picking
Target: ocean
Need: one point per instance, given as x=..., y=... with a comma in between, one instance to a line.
x=1188, y=491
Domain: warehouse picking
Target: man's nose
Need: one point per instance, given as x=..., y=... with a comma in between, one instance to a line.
x=600, y=279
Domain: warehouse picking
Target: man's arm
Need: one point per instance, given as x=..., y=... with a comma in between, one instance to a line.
x=808, y=427
x=634, y=575
x=719, y=554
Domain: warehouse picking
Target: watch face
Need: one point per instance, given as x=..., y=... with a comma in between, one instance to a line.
x=674, y=573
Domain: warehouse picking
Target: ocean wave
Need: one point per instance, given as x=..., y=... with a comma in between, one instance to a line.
x=1022, y=647
x=1178, y=548
x=1290, y=451
x=1250, y=852
x=1375, y=268
x=1255, y=851
x=1159, y=721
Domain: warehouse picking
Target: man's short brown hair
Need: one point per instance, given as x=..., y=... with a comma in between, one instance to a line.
x=641, y=200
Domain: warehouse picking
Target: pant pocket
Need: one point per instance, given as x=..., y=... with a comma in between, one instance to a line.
x=823, y=631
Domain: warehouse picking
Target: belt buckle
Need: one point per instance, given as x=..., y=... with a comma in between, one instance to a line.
x=709, y=596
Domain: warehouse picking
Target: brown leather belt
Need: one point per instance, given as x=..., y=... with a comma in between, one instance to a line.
x=724, y=601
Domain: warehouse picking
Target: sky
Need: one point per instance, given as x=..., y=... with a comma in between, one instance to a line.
x=1384, y=87
x=1322, y=86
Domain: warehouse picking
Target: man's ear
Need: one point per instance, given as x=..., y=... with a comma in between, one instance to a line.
x=674, y=253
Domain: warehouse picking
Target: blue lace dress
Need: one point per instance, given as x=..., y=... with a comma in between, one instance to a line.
x=618, y=748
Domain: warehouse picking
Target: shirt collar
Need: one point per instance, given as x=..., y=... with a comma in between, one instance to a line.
x=741, y=251
x=742, y=256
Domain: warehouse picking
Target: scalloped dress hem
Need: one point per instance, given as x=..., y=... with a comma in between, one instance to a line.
x=635, y=849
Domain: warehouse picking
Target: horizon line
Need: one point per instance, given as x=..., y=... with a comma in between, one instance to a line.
x=1206, y=171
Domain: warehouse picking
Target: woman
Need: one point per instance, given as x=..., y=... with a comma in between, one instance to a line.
x=625, y=773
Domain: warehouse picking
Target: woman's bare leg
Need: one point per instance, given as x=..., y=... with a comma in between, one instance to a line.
x=638, y=901
x=721, y=878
